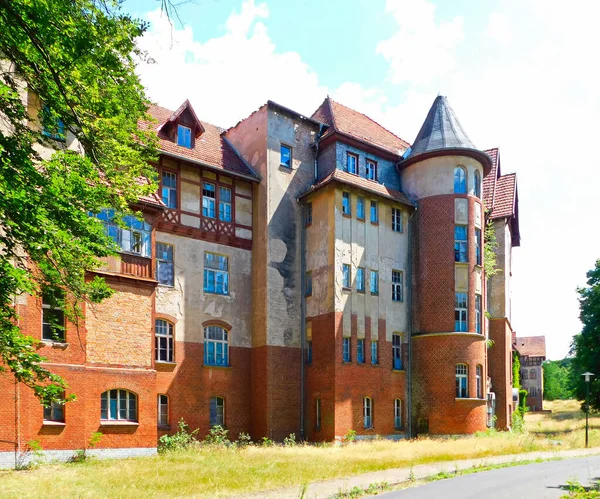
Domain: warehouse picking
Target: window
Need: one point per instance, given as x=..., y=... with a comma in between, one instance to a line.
x=397, y=220
x=374, y=282
x=397, y=285
x=308, y=284
x=318, y=413
x=360, y=208
x=134, y=238
x=216, y=346
x=165, y=268
x=346, y=350
x=478, y=314
x=225, y=204
x=286, y=156
x=208, y=200
x=477, y=183
x=346, y=207
x=360, y=351
x=308, y=214
x=374, y=212
x=52, y=126
x=532, y=391
x=184, y=136
x=169, y=189
x=478, y=246
x=397, y=414
x=308, y=352
x=163, y=410
x=374, y=356
x=217, y=411
x=479, y=381
x=118, y=405
x=371, y=171
x=397, y=352
x=163, y=335
x=368, y=412
x=352, y=163
x=216, y=274
x=462, y=391
x=525, y=374
x=460, y=243
x=346, y=276
x=532, y=374
x=55, y=412
x=460, y=180
x=53, y=318
x=460, y=312
x=360, y=279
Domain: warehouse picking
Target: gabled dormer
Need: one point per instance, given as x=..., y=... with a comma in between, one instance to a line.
x=183, y=126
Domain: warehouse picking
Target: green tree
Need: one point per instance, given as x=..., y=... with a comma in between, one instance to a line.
x=77, y=57
x=585, y=347
x=557, y=380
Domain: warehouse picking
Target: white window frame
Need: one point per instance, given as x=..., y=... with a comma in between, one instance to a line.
x=135, y=239
x=397, y=221
x=478, y=255
x=477, y=184
x=397, y=352
x=397, y=414
x=216, y=273
x=225, y=209
x=162, y=409
x=169, y=189
x=219, y=405
x=462, y=381
x=354, y=170
x=478, y=315
x=215, y=337
x=397, y=285
x=371, y=169
x=129, y=409
x=55, y=412
x=368, y=412
x=461, y=312
x=461, y=246
x=164, y=338
x=209, y=200
x=479, y=380
x=165, y=257
x=60, y=334
x=374, y=282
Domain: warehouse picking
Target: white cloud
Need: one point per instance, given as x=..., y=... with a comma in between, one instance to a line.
x=497, y=28
x=228, y=77
x=422, y=49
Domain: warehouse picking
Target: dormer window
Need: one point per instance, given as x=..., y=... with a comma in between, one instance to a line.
x=184, y=136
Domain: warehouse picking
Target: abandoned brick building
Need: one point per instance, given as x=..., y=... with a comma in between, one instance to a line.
x=532, y=354
x=294, y=274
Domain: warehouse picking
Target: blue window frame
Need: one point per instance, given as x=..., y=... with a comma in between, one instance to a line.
x=460, y=180
x=346, y=275
x=346, y=350
x=169, y=189
x=374, y=212
x=460, y=244
x=360, y=280
x=360, y=351
x=477, y=183
x=346, y=206
x=371, y=169
x=397, y=352
x=374, y=354
x=286, y=156
x=184, y=136
x=308, y=358
x=216, y=274
x=352, y=163
x=478, y=246
x=360, y=208
x=216, y=346
x=374, y=282
x=478, y=328
x=225, y=204
x=217, y=411
x=460, y=312
x=208, y=200
x=52, y=126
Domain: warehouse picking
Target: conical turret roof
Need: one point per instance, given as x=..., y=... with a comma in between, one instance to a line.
x=442, y=133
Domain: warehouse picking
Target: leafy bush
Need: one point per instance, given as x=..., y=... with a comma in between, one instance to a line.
x=290, y=440
x=217, y=436
x=81, y=455
x=267, y=442
x=243, y=440
x=350, y=436
x=518, y=422
x=178, y=441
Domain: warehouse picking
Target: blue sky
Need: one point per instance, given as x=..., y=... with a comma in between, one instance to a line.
x=520, y=74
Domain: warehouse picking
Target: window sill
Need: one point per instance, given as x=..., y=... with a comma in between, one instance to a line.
x=374, y=223
x=361, y=291
x=168, y=286
x=346, y=215
x=54, y=344
x=208, y=366
x=165, y=363
x=465, y=264
x=374, y=293
x=344, y=288
x=360, y=219
x=54, y=423
x=469, y=399
x=118, y=423
x=164, y=427
x=215, y=293
x=398, y=370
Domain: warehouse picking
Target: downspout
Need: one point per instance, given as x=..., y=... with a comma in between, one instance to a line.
x=410, y=305
x=302, y=315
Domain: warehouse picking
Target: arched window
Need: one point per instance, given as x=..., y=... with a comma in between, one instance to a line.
x=462, y=385
x=216, y=346
x=397, y=413
x=477, y=183
x=460, y=180
x=217, y=411
x=163, y=334
x=368, y=412
x=118, y=405
x=479, y=379
x=532, y=374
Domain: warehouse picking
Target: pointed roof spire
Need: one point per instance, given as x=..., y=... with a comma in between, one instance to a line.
x=442, y=133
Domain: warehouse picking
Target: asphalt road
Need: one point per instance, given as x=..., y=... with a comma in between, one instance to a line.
x=539, y=480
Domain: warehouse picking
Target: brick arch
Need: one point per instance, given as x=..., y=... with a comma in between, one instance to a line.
x=217, y=322
x=166, y=317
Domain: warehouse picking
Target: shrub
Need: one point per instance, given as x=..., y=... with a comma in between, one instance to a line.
x=178, y=441
x=290, y=440
x=243, y=440
x=267, y=442
x=81, y=455
x=350, y=436
x=217, y=436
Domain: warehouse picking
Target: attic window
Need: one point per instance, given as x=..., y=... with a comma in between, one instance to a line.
x=184, y=136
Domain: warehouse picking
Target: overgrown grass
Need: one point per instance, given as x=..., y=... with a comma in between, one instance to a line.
x=217, y=472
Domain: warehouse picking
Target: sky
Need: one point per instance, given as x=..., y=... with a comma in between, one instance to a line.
x=522, y=75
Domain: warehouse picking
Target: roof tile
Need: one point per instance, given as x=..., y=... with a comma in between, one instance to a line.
x=533, y=346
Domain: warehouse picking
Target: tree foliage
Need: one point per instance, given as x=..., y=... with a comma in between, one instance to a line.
x=489, y=250
x=558, y=380
x=585, y=347
x=77, y=57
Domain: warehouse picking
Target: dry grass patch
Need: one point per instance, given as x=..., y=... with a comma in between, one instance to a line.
x=218, y=472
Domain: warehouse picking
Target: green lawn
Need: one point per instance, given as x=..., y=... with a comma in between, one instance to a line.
x=215, y=472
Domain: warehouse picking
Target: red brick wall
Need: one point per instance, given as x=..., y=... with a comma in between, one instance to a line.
x=500, y=358
x=434, y=389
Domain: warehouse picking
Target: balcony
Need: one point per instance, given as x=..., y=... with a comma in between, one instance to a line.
x=129, y=265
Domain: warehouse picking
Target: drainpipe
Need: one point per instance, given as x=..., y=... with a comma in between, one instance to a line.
x=410, y=305
x=302, y=315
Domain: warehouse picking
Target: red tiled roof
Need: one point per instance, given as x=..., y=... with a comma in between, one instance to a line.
x=505, y=196
x=533, y=346
x=211, y=148
x=350, y=122
x=489, y=181
x=362, y=183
